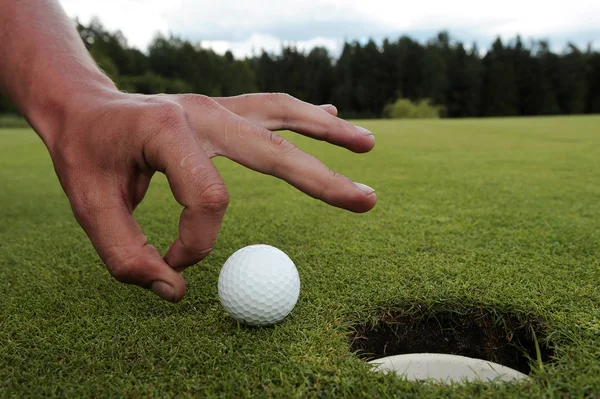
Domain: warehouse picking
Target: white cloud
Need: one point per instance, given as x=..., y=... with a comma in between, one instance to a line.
x=530, y=16
x=254, y=24
x=258, y=42
x=139, y=20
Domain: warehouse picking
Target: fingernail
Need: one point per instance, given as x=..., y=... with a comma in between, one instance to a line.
x=163, y=290
x=328, y=107
x=365, y=189
x=364, y=131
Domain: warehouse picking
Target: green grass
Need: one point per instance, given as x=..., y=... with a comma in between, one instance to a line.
x=499, y=214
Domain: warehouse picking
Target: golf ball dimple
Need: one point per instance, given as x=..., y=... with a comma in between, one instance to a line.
x=259, y=285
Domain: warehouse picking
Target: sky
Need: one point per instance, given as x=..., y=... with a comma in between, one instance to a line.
x=249, y=26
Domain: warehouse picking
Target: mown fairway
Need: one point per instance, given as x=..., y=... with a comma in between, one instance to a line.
x=500, y=214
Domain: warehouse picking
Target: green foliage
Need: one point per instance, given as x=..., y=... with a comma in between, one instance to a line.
x=500, y=90
x=500, y=214
x=464, y=82
x=402, y=109
x=593, y=98
x=405, y=109
x=513, y=78
x=105, y=63
x=572, y=88
x=110, y=50
x=204, y=71
x=150, y=83
x=12, y=121
x=309, y=77
x=6, y=106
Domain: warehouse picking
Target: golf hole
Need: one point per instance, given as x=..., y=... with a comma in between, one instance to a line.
x=445, y=346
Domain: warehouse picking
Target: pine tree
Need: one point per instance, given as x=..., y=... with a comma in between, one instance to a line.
x=500, y=91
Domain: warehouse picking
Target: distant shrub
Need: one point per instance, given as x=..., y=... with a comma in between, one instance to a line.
x=6, y=106
x=150, y=83
x=405, y=109
x=12, y=121
x=402, y=108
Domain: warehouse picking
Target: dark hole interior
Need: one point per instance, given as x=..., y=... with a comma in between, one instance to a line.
x=503, y=339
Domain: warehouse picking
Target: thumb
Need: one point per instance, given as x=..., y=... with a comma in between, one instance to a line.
x=120, y=243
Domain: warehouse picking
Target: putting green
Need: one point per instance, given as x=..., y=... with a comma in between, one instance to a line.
x=494, y=214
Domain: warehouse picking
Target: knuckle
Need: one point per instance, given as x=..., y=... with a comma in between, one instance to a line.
x=276, y=141
x=194, y=166
x=81, y=210
x=169, y=115
x=333, y=177
x=282, y=98
x=121, y=266
x=249, y=96
x=333, y=125
x=195, y=252
x=215, y=198
x=280, y=149
x=240, y=128
x=125, y=260
x=328, y=184
x=85, y=202
x=280, y=146
x=200, y=100
x=284, y=104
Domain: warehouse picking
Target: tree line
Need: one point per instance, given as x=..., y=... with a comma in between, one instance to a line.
x=511, y=78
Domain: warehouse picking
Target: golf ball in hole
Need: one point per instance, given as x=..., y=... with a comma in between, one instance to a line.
x=259, y=285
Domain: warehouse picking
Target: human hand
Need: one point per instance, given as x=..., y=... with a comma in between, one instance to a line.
x=109, y=145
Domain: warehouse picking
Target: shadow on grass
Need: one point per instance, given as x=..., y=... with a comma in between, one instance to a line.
x=508, y=339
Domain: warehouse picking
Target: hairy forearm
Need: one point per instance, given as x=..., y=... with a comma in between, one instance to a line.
x=45, y=67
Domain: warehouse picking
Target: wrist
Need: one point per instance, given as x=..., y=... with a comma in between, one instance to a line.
x=54, y=109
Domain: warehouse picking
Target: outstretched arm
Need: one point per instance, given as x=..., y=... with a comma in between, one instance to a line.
x=106, y=145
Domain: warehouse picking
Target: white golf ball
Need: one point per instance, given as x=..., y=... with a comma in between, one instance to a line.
x=259, y=285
